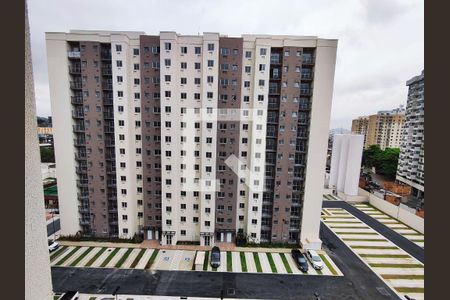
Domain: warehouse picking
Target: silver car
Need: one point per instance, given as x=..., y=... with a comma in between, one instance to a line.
x=314, y=259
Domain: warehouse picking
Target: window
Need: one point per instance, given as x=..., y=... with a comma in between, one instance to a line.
x=209, y=95
x=210, y=63
x=210, y=47
x=183, y=50
x=121, y=123
x=135, y=51
x=262, y=67
x=224, y=51
x=263, y=51
x=248, y=69
x=246, y=99
x=207, y=223
x=168, y=94
x=261, y=82
x=122, y=151
x=246, y=83
x=184, y=65
x=198, y=50
x=167, y=62
x=119, y=63
x=210, y=79
x=168, y=46
x=248, y=54
x=195, y=219
x=118, y=48
x=136, y=81
x=136, y=67
x=197, y=66
x=119, y=79
x=168, y=222
x=167, y=78
x=224, y=67
x=286, y=53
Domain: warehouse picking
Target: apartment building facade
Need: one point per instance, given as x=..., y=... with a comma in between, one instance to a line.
x=384, y=129
x=411, y=161
x=191, y=138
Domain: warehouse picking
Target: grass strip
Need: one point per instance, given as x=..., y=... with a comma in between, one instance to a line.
x=123, y=258
x=349, y=227
x=65, y=258
x=396, y=265
x=97, y=255
x=243, y=262
x=110, y=256
x=328, y=264
x=402, y=276
x=271, y=262
x=229, y=262
x=257, y=262
x=375, y=247
x=384, y=255
x=344, y=222
x=57, y=253
x=206, y=261
x=138, y=258
x=76, y=261
x=285, y=263
x=410, y=289
x=152, y=258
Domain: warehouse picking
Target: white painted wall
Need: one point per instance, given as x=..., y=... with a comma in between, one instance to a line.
x=60, y=93
x=318, y=142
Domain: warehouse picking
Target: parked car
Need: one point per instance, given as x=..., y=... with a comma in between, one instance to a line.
x=52, y=246
x=314, y=259
x=215, y=257
x=300, y=260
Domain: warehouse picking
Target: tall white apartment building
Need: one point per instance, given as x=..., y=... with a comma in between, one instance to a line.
x=202, y=138
x=411, y=161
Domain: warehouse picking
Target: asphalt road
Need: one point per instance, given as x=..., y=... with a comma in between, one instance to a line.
x=359, y=281
x=408, y=246
x=51, y=229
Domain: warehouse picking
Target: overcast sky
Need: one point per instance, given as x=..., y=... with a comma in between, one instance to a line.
x=381, y=42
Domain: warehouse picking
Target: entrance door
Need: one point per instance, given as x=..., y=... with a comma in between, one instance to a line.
x=168, y=239
x=228, y=237
x=149, y=234
x=207, y=240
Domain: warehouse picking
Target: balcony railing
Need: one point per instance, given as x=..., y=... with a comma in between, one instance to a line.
x=79, y=142
x=106, y=71
x=109, y=129
x=82, y=196
x=74, y=54
x=308, y=60
x=108, y=115
x=307, y=76
x=274, y=91
x=305, y=92
x=85, y=221
x=109, y=143
x=274, y=105
x=80, y=156
x=78, y=114
x=75, y=69
x=106, y=85
x=107, y=100
x=106, y=55
x=83, y=209
x=78, y=128
x=110, y=171
x=76, y=85
x=82, y=183
x=111, y=183
x=110, y=157
x=77, y=100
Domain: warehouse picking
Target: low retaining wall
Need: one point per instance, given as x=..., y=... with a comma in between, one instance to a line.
x=402, y=212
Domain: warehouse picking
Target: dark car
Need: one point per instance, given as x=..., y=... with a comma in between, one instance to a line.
x=215, y=257
x=300, y=260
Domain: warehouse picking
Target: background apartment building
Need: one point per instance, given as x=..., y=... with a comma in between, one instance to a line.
x=191, y=138
x=383, y=129
x=411, y=163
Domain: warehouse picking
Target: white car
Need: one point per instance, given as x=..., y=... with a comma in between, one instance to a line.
x=314, y=259
x=52, y=246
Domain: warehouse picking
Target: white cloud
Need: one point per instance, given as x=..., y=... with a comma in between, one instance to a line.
x=380, y=41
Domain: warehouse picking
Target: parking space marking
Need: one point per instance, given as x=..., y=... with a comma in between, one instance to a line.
x=264, y=263
x=97, y=263
x=236, y=261
x=223, y=262
x=292, y=264
x=60, y=257
x=74, y=256
x=131, y=258
x=88, y=257
x=251, y=266
x=144, y=259
x=186, y=261
x=116, y=258
x=279, y=263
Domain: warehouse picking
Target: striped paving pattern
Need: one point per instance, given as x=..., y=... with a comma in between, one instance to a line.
x=392, y=223
x=402, y=272
x=183, y=260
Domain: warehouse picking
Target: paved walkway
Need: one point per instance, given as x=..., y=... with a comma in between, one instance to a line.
x=397, y=268
x=396, y=238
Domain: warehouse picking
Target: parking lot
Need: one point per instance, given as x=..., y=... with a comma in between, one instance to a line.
x=183, y=260
x=407, y=232
x=402, y=272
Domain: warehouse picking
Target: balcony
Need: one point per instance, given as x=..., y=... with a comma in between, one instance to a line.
x=112, y=210
x=113, y=222
x=108, y=115
x=107, y=100
x=82, y=196
x=106, y=71
x=107, y=86
x=80, y=156
x=83, y=209
x=84, y=221
x=109, y=129
x=76, y=85
x=110, y=170
x=78, y=100
x=112, y=197
x=82, y=183
x=305, y=92
x=111, y=183
x=75, y=69
x=307, y=76
x=308, y=61
x=304, y=106
x=274, y=91
x=272, y=120
x=110, y=157
x=79, y=142
x=303, y=121
x=106, y=54
x=78, y=128
x=274, y=105
x=74, y=54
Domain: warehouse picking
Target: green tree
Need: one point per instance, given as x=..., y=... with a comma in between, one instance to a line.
x=385, y=162
x=47, y=155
